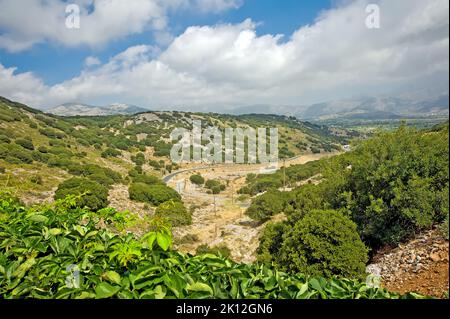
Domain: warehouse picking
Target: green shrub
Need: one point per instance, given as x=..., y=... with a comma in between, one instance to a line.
x=138, y=159
x=197, y=179
x=110, y=152
x=2, y=170
x=25, y=143
x=40, y=157
x=323, y=243
x=265, y=206
x=146, y=179
x=5, y=139
x=443, y=228
x=43, y=149
x=154, y=194
x=95, y=196
x=154, y=164
x=175, y=212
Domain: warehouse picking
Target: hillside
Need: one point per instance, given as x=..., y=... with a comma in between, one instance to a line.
x=38, y=151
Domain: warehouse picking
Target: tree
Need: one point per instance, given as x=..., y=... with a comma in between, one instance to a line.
x=154, y=194
x=197, y=179
x=95, y=196
x=175, y=212
x=323, y=243
x=265, y=206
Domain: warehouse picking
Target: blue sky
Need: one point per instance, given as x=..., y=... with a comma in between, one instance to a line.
x=221, y=54
x=54, y=63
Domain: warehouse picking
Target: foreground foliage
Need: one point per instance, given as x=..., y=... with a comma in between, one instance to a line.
x=57, y=251
x=391, y=186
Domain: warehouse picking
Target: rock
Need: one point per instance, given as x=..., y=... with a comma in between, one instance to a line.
x=435, y=257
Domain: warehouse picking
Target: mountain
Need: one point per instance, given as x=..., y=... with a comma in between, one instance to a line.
x=74, y=109
x=363, y=108
x=377, y=108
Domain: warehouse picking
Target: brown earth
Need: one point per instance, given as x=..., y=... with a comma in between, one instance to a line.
x=421, y=265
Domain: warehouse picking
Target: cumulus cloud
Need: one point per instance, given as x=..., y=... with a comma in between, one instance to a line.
x=28, y=22
x=227, y=65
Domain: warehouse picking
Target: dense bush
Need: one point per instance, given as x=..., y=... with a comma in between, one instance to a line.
x=95, y=195
x=15, y=154
x=175, y=212
x=5, y=139
x=110, y=152
x=154, y=194
x=265, y=206
x=197, y=179
x=322, y=243
x=138, y=159
x=146, y=179
x=25, y=143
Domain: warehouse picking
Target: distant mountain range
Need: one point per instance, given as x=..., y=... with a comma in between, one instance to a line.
x=73, y=109
x=368, y=108
x=364, y=108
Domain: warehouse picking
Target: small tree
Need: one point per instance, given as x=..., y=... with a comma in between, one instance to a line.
x=323, y=243
x=197, y=179
x=175, y=212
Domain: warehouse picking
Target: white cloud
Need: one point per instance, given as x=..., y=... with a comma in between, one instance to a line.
x=28, y=22
x=227, y=65
x=92, y=61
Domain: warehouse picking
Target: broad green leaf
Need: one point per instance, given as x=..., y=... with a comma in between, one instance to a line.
x=112, y=276
x=105, y=290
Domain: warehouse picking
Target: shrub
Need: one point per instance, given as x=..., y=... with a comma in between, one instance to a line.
x=25, y=143
x=139, y=159
x=2, y=170
x=154, y=164
x=110, y=152
x=265, y=206
x=5, y=139
x=154, y=194
x=40, y=157
x=95, y=196
x=146, y=179
x=197, y=179
x=175, y=212
x=43, y=149
x=323, y=243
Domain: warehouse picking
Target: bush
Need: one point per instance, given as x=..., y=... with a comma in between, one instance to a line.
x=154, y=164
x=95, y=195
x=5, y=139
x=265, y=206
x=110, y=152
x=146, y=179
x=323, y=243
x=27, y=144
x=40, y=157
x=154, y=194
x=175, y=212
x=43, y=149
x=197, y=179
x=139, y=159
x=2, y=170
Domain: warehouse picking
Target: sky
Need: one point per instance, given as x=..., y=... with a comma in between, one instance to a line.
x=220, y=54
